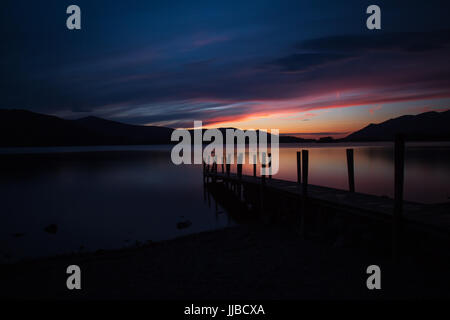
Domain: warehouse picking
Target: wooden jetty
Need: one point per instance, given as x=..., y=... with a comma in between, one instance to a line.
x=308, y=200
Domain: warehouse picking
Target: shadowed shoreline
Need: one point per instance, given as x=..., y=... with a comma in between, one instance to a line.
x=245, y=262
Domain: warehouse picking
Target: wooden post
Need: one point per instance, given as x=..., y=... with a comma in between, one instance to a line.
x=350, y=170
x=263, y=182
x=299, y=184
x=239, y=174
x=207, y=170
x=263, y=165
x=204, y=171
x=214, y=169
x=270, y=166
x=305, y=171
x=304, y=191
x=399, y=165
x=239, y=165
x=299, y=168
x=228, y=165
x=254, y=165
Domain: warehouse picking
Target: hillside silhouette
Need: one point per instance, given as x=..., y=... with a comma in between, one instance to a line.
x=19, y=128
x=22, y=128
x=425, y=126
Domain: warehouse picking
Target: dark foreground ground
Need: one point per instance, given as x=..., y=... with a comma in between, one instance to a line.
x=245, y=262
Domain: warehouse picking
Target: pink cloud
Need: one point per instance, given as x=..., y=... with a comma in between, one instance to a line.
x=375, y=108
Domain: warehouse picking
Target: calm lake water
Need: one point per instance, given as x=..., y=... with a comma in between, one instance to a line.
x=111, y=197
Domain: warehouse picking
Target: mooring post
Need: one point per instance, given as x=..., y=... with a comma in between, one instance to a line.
x=305, y=171
x=254, y=165
x=350, y=170
x=304, y=190
x=263, y=181
x=263, y=165
x=299, y=168
x=239, y=170
x=239, y=166
x=399, y=168
x=214, y=167
x=204, y=171
x=299, y=184
x=208, y=169
x=270, y=166
x=239, y=173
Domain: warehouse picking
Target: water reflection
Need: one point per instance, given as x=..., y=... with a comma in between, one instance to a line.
x=98, y=200
x=427, y=169
x=112, y=199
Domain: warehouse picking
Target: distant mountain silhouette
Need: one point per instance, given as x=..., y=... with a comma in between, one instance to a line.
x=19, y=128
x=22, y=128
x=26, y=128
x=282, y=139
x=425, y=126
x=129, y=134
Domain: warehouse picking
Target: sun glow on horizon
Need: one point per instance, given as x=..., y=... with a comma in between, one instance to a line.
x=334, y=121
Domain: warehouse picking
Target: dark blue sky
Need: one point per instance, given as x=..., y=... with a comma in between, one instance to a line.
x=170, y=62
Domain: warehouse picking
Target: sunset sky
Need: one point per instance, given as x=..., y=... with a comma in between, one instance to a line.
x=307, y=68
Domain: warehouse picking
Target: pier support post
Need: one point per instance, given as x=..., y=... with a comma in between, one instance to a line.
x=204, y=171
x=208, y=165
x=261, y=187
x=214, y=171
x=350, y=170
x=228, y=165
x=270, y=166
x=263, y=166
x=239, y=166
x=299, y=184
x=239, y=171
x=299, y=168
x=239, y=174
x=254, y=165
x=399, y=163
x=305, y=159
